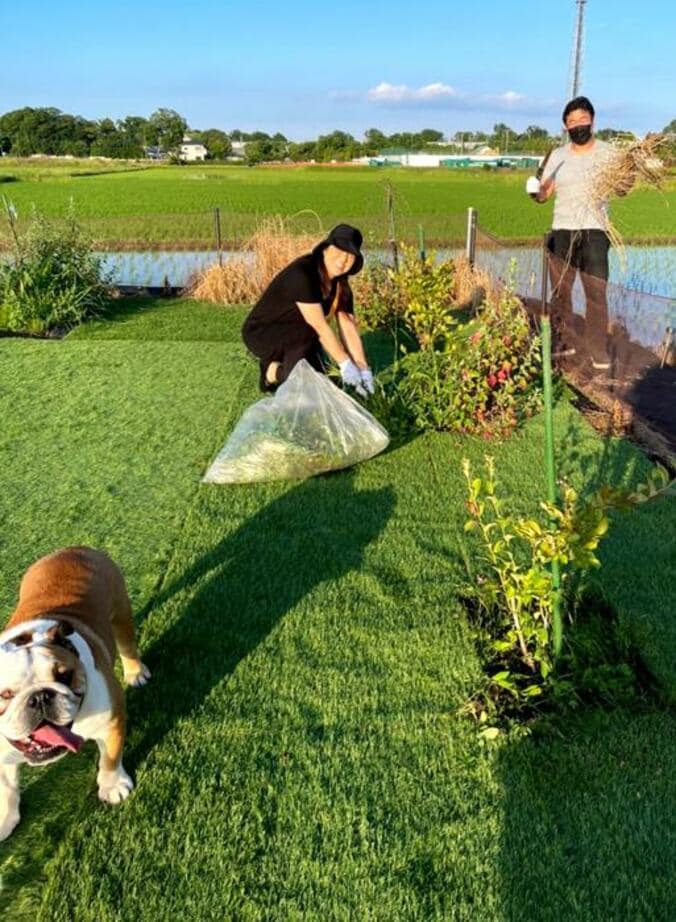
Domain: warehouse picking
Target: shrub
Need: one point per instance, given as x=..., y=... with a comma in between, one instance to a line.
x=425, y=296
x=377, y=296
x=54, y=279
x=482, y=376
x=512, y=599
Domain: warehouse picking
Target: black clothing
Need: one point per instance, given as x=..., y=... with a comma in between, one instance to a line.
x=586, y=251
x=276, y=331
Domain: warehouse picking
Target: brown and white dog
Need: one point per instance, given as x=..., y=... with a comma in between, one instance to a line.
x=57, y=685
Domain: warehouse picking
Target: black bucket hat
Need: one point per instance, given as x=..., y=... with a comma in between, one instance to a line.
x=346, y=238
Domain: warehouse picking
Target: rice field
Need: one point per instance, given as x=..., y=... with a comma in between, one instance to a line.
x=163, y=206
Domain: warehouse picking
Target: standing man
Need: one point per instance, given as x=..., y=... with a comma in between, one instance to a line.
x=579, y=238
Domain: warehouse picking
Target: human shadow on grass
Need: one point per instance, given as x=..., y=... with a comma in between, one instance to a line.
x=224, y=604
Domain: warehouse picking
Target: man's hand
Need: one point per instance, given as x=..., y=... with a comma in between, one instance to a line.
x=533, y=185
x=352, y=376
x=367, y=380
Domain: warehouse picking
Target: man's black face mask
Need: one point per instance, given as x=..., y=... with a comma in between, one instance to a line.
x=580, y=134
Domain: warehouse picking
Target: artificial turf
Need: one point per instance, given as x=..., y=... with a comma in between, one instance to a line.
x=298, y=752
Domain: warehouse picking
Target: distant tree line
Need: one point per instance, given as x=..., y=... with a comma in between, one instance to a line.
x=49, y=131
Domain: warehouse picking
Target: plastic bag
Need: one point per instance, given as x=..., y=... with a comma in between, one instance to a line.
x=309, y=427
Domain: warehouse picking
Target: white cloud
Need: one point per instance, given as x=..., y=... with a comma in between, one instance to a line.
x=389, y=94
x=442, y=96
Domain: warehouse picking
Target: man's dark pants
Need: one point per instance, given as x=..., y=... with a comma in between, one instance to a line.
x=585, y=251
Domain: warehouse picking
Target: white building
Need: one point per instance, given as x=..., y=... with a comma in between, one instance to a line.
x=191, y=151
x=238, y=150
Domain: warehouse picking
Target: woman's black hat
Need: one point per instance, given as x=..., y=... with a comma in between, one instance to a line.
x=346, y=238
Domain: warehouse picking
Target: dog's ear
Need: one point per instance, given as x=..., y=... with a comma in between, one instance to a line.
x=58, y=636
x=59, y=632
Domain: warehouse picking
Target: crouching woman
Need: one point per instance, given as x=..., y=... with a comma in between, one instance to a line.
x=291, y=320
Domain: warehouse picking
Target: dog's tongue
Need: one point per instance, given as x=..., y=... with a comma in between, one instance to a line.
x=52, y=735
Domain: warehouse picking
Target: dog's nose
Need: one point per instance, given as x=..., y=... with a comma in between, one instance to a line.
x=39, y=699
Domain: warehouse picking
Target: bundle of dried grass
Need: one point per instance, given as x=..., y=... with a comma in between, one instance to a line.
x=637, y=161
x=243, y=279
x=472, y=284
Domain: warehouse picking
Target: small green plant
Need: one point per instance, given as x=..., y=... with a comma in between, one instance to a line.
x=512, y=593
x=377, y=296
x=53, y=280
x=426, y=292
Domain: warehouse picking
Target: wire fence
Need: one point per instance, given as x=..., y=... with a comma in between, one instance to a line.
x=614, y=343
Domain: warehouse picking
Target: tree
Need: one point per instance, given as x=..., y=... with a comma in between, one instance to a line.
x=339, y=145
x=501, y=135
x=258, y=152
x=217, y=143
x=166, y=129
x=670, y=128
x=375, y=138
x=134, y=128
x=300, y=152
x=430, y=135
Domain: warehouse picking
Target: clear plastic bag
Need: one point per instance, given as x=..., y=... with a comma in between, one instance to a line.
x=309, y=427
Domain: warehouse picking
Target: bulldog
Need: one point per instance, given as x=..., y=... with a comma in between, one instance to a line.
x=57, y=684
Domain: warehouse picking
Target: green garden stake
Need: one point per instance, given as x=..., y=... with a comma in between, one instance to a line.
x=557, y=628
x=421, y=243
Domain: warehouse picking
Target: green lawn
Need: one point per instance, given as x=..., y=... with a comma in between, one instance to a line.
x=298, y=754
x=165, y=205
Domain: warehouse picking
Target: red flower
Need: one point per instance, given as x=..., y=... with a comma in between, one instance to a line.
x=492, y=380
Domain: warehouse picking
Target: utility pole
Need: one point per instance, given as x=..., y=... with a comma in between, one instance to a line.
x=576, y=54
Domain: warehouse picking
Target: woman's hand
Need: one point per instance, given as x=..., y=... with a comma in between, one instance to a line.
x=367, y=381
x=352, y=376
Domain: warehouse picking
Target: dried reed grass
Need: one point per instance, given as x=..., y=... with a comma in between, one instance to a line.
x=637, y=161
x=244, y=278
x=473, y=285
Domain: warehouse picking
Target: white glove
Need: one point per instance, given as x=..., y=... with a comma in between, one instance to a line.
x=367, y=381
x=351, y=376
x=532, y=185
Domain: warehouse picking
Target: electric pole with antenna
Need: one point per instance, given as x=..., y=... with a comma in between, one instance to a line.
x=576, y=54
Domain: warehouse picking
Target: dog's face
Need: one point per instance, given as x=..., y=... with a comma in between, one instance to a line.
x=42, y=684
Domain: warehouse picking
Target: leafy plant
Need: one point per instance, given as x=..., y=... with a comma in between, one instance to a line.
x=378, y=296
x=481, y=377
x=513, y=594
x=53, y=280
x=425, y=289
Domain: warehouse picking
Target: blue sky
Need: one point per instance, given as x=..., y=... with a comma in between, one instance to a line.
x=306, y=68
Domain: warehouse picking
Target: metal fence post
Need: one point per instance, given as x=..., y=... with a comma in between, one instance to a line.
x=470, y=242
x=421, y=243
x=391, y=226
x=219, y=244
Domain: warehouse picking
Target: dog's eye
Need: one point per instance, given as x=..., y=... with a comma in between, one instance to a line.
x=63, y=675
x=7, y=694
